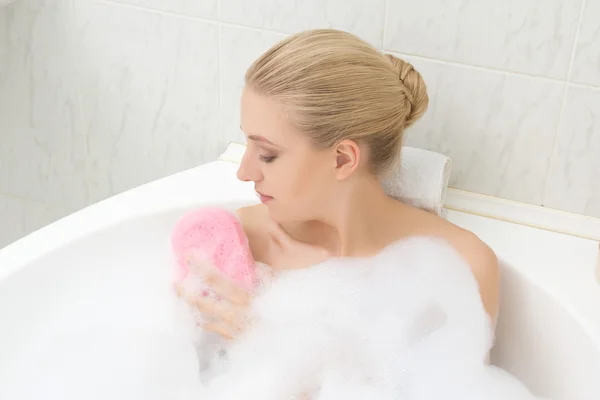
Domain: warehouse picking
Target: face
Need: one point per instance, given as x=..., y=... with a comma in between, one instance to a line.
x=293, y=178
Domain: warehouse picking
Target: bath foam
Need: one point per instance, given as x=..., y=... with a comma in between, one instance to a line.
x=106, y=362
x=406, y=324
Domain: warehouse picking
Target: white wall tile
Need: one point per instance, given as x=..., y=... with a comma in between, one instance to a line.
x=574, y=179
x=496, y=127
x=529, y=36
x=361, y=17
x=193, y=8
x=586, y=66
x=160, y=91
x=239, y=48
x=20, y=217
x=41, y=146
x=149, y=93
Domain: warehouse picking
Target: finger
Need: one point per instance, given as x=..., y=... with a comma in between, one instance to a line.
x=222, y=284
x=188, y=292
x=179, y=289
x=227, y=288
x=223, y=329
x=217, y=309
x=214, y=309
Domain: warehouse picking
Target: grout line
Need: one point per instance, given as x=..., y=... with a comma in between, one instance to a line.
x=82, y=121
x=516, y=203
x=562, y=104
x=193, y=17
x=519, y=222
x=480, y=68
x=584, y=85
x=537, y=216
x=385, y=20
x=252, y=28
x=576, y=39
x=554, y=144
x=156, y=11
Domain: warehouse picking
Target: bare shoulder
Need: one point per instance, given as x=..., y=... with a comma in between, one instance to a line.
x=480, y=257
x=484, y=265
x=254, y=219
x=250, y=213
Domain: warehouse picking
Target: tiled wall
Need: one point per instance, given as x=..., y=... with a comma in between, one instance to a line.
x=100, y=96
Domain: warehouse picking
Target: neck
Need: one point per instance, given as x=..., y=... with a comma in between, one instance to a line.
x=354, y=225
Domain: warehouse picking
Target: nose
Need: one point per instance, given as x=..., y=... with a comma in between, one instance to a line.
x=248, y=171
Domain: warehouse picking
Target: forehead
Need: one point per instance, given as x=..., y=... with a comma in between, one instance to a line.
x=264, y=116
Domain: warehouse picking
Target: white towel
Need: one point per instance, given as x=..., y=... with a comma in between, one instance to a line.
x=421, y=179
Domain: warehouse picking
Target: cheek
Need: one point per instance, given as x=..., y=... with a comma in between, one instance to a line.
x=301, y=188
x=308, y=181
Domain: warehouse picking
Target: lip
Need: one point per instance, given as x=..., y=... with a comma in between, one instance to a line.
x=263, y=197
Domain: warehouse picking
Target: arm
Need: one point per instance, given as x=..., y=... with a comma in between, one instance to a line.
x=484, y=265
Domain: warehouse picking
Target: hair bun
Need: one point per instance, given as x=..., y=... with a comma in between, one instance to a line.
x=415, y=89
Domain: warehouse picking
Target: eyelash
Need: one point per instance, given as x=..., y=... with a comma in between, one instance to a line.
x=266, y=160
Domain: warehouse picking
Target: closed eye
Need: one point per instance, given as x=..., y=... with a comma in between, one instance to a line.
x=267, y=159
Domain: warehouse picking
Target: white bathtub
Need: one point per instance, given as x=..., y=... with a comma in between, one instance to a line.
x=77, y=273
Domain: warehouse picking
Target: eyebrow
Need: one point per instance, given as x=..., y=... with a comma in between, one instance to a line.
x=258, y=138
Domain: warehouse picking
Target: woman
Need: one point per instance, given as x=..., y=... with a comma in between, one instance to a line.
x=324, y=114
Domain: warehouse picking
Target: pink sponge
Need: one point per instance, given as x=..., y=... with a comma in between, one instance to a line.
x=214, y=236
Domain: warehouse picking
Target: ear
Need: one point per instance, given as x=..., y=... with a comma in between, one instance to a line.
x=347, y=158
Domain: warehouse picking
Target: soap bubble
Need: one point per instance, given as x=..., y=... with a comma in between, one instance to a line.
x=406, y=324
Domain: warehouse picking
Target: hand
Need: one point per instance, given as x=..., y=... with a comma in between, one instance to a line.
x=226, y=313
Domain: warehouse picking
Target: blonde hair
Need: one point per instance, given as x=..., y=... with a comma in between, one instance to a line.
x=336, y=86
